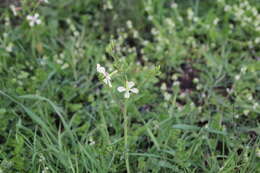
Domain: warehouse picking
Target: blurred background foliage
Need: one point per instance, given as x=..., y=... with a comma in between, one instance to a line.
x=200, y=113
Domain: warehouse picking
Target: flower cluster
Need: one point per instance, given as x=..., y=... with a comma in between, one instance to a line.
x=128, y=88
x=107, y=76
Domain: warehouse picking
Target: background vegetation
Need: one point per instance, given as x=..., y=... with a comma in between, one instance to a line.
x=196, y=64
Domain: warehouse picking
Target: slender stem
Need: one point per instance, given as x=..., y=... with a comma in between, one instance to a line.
x=105, y=131
x=126, y=138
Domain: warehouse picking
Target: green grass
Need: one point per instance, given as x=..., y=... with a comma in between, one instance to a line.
x=196, y=66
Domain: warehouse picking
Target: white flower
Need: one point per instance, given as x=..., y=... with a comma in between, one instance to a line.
x=174, y=5
x=246, y=112
x=215, y=21
x=107, y=79
x=101, y=69
x=227, y=8
x=91, y=141
x=237, y=77
x=258, y=152
x=167, y=96
x=249, y=97
x=190, y=13
x=45, y=1
x=255, y=106
x=150, y=17
x=128, y=89
x=13, y=9
x=9, y=48
x=129, y=24
x=34, y=19
x=176, y=83
x=243, y=69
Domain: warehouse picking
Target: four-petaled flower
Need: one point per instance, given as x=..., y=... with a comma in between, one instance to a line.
x=107, y=79
x=128, y=89
x=34, y=19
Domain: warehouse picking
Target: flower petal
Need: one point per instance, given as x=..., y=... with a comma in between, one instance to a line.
x=29, y=17
x=127, y=94
x=134, y=90
x=38, y=21
x=31, y=23
x=130, y=84
x=109, y=83
x=106, y=81
x=121, y=89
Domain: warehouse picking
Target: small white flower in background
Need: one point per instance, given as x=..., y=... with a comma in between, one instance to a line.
x=45, y=170
x=129, y=24
x=180, y=19
x=246, y=112
x=195, y=19
x=243, y=69
x=108, y=6
x=148, y=8
x=91, y=141
x=135, y=34
x=215, y=21
x=237, y=77
x=44, y=1
x=128, y=89
x=183, y=95
x=255, y=106
x=249, y=97
x=150, y=17
x=176, y=83
x=164, y=87
x=5, y=35
x=199, y=87
x=227, y=8
x=13, y=9
x=154, y=31
x=174, y=5
x=196, y=80
x=229, y=90
x=107, y=79
x=34, y=19
x=167, y=96
x=64, y=66
x=9, y=48
x=190, y=14
x=42, y=158
x=257, y=40
x=258, y=152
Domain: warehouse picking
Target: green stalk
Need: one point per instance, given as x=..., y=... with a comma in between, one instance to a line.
x=126, y=138
x=105, y=131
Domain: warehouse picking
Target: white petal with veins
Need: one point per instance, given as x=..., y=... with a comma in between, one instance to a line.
x=127, y=94
x=121, y=89
x=130, y=84
x=134, y=90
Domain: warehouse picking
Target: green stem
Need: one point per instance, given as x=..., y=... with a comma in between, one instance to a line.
x=105, y=131
x=126, y=139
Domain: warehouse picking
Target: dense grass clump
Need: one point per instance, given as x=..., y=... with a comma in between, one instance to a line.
x=104, y=86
